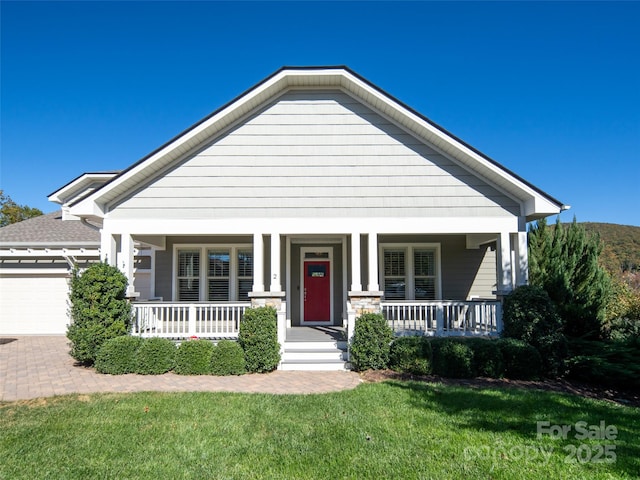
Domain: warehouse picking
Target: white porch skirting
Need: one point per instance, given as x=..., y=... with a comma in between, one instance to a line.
x=184, y=320
x=444, y=318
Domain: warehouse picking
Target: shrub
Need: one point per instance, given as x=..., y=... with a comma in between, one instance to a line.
x=487, y=357
x=258, y=337
x=194, y=358
x=611, y=364
x=155, y=356
x=452, y=358
x=521, y=360
x=227, y=359
x=411, y=355
x=530, y=316
x=99, y=310
x=371, y=341
x=118, y=355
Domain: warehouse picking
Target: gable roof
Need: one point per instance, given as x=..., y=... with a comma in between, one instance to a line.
x=537, y=203
x=49, y=230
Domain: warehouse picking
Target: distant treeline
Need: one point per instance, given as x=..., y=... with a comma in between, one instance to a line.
x=621, y=246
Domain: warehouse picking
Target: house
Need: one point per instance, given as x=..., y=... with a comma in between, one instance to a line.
x=314, y=191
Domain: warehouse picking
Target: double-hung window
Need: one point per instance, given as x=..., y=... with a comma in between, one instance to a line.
x=214, y=274
x=410, y=272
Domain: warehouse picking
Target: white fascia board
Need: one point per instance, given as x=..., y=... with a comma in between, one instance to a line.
x=39, y=272
x=49, y=252
x=313, y=226
x=76, y=188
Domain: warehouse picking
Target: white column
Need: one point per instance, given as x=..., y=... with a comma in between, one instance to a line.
x=356, y=282
x=522, y=259
x=275, y=263
x=503, y=250
x=258, y=263
x=108, y=248
x=372, y=250
x=126, y=260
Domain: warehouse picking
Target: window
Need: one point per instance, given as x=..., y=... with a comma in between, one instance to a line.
x=218, y=275
x=395, y=279
x=245, y=274
x=227, y=274
x=410, y=272
x=189, y=275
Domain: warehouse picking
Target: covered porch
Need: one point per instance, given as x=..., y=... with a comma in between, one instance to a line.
x=425, y=284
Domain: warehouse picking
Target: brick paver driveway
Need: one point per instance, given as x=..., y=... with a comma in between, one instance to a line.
x=40, y=366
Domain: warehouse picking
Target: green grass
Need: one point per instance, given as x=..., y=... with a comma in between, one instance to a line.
x=386, y=430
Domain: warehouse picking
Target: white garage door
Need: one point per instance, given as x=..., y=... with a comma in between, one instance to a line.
x=33, y=304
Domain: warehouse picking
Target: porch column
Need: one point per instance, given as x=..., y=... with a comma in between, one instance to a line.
x=503, y=251
x=275, y=263
x=522, y=259
x=373, y=285
x=108, y=248
x=126, y=262
x=258, y=263
x=356, y=282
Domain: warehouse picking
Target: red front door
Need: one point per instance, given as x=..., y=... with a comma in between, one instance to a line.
x=317, y=291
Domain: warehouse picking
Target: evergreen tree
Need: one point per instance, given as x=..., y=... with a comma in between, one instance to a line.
x=563, y=260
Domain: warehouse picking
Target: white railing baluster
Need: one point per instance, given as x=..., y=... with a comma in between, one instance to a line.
x=476, y=317
x=181, y=320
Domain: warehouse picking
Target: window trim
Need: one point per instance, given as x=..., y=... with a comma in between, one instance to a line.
x=203, y=274
x=409, y=249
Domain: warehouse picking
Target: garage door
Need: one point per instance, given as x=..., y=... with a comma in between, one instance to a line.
x=33, y=304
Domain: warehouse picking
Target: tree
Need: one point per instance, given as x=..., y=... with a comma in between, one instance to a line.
x=563, y=260
x=11, y=212
x=99, y=310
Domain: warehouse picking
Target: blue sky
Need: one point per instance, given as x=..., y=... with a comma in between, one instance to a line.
x=551, y=90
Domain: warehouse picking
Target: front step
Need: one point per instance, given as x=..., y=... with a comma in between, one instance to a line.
x=327, y=355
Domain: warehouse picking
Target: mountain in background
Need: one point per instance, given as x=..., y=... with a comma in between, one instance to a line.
x=621, y=250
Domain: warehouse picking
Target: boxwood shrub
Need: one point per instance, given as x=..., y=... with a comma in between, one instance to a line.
x=521, y=360
x=452, y=358
x=227, y=359
x=155, y=356
x=117, y=355
x=530, y=316
x=369, y=348
x=487, y=357
x=194, y=357
x=411, y=355
x=258, y=337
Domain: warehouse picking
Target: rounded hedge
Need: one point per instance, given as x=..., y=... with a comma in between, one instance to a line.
x=117, y=356
x=194, y=358
x=258, y=337
x=227, y=359
x=530, y=315
x=452, y=358
x=487, y=357
x=155, y=356
x=411, y=355
x=371, y=341
x=521, y=360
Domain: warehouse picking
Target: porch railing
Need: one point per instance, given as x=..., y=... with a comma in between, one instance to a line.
x=444, y=318
x=183, y=320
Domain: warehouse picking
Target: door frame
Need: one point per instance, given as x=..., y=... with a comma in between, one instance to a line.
x=318, y=249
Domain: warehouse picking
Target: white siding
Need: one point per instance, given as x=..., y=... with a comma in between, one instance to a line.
x=32, y=304
x=316, y=154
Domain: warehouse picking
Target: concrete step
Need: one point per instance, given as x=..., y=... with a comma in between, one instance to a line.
x=314, y=365
x=315, y=345
x=292, y=354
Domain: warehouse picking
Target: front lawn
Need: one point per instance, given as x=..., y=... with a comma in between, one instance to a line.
x=384, y=430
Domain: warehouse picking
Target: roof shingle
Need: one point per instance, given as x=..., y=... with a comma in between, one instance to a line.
x=48, y=229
